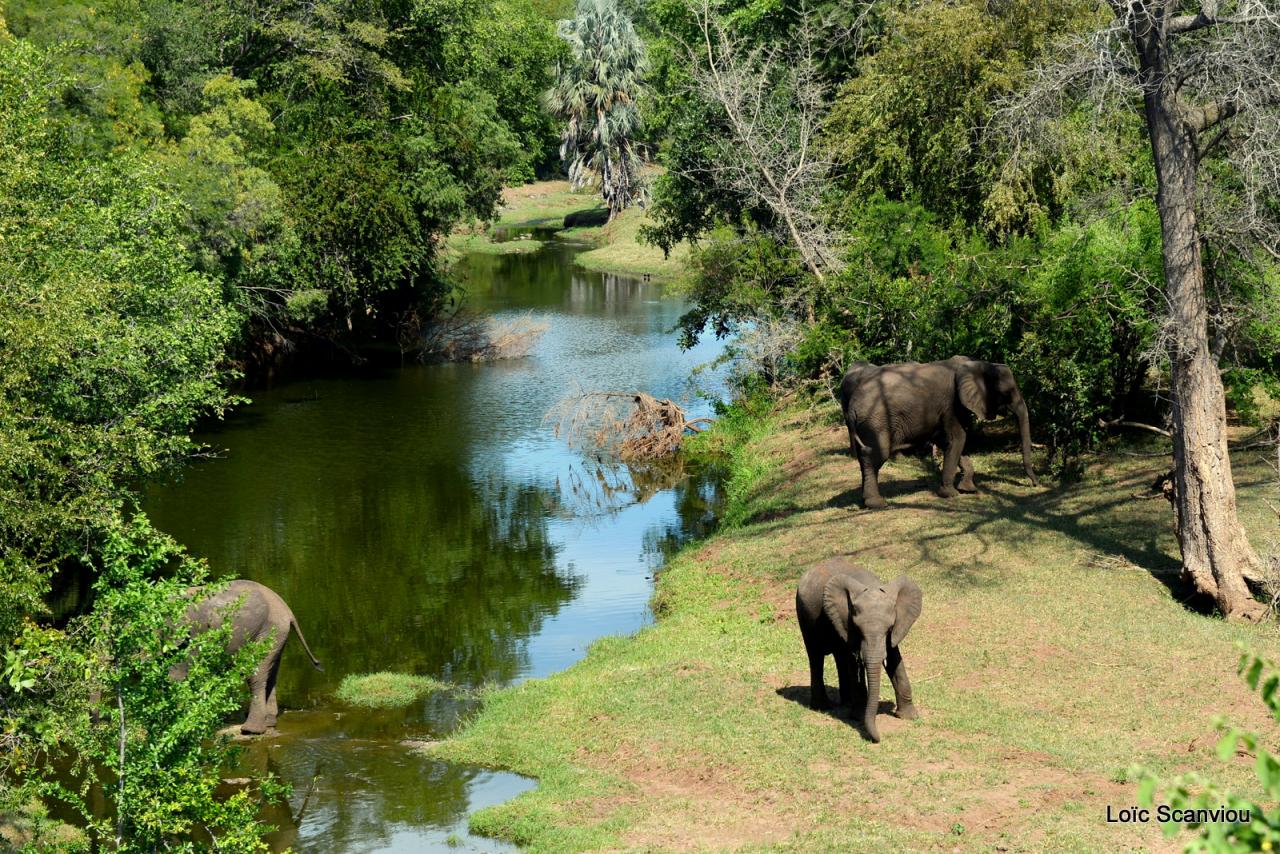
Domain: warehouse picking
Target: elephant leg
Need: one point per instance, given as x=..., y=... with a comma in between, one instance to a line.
x=897, y=670
x=871, y=458
x=853, y=689
x=966, y=475
x=951, y=459
x=273, y=709
x=262, y=712
x=817, y=688
x=255, y=723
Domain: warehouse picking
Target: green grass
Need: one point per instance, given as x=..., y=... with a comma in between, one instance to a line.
x=617, y=248
x=481, y=244
x=385, y=690
x=544, y=203
x=1054, y=651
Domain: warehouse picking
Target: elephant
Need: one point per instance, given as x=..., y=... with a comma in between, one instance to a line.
x=257, y=613
x=895, y=407
x=847, y=612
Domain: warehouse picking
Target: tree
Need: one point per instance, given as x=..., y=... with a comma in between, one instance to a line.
x=773, y=103
x=1204, y=76
x=595, y=93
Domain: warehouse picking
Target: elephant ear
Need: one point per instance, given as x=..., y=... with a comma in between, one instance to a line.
x=837, y=599
x=973, y=390
x=909, y=602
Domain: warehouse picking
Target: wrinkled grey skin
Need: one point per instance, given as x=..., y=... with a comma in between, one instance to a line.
x=895, y=407
x=261, y=615
x=847, y=612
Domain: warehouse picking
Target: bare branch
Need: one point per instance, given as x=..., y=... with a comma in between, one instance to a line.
x=627, y=425
x=774, y=105
x=1118, y=422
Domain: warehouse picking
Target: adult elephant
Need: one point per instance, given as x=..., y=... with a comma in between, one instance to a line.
x=892, y=408
x=257, y=614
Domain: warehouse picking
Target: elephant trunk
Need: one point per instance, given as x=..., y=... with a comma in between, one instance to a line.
x=873, y=662
x=1024, y=426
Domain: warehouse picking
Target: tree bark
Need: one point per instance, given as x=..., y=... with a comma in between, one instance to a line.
x=1216, y=554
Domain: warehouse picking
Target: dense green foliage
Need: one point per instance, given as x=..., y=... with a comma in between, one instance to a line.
x=320, y=151
x=90, y=712
x=110, y=344
x=949, y=243
x=181, y=180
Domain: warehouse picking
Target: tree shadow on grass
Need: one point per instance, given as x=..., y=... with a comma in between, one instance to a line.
x=1100, y=518
x=799, y=694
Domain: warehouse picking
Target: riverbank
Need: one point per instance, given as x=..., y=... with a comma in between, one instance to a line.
x=1053, y=653
x=545, y=204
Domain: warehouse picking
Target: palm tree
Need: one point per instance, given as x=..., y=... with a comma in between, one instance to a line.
x=595, y=92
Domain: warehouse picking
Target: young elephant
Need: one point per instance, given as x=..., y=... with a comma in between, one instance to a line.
x=261, y=616
x=848, y=613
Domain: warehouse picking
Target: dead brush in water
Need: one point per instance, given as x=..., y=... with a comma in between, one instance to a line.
x=466, y=336
x=628, y=425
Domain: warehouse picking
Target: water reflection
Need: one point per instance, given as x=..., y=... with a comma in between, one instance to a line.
x=422, y=521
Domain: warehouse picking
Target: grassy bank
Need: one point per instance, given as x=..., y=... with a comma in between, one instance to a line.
x=616, y=247
x=1053, y=652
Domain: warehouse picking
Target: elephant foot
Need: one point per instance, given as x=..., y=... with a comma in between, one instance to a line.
x=818, y=700
x=967, y=487
x=948, y=492
x=874, y=502
x=257, y=727
x=907, y=712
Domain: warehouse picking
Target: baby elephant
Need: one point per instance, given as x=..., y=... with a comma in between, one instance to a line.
x=847, y=612
x=261, y=616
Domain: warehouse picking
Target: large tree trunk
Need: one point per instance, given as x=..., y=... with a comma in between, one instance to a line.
x=1216, y=554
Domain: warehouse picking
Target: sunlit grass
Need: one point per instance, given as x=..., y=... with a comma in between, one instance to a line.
x=617, y=248
x=385, y=690
x=481, y=244
x=1055, y=650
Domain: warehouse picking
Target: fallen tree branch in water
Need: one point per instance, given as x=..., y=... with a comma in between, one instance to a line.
x=466, y=336
x=629, y=425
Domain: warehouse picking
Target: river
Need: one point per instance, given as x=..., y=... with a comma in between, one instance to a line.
x=425, y=520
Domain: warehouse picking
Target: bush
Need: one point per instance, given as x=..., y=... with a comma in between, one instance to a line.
x=1069, y=311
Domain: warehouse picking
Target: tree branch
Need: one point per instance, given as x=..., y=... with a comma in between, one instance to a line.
x=1120, y=422
x=1204, y=117
x=1202, y=20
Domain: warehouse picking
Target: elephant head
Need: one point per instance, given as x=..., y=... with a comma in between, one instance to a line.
x=985, y=388
x=871, y=616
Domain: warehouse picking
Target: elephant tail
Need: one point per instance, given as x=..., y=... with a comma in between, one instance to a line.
x=851, y=420
x=293, y=621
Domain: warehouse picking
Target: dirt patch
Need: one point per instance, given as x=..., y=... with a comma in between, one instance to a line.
x=701, y=807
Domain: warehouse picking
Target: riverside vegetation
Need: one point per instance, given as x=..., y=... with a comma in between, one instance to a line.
x=1056, y=663
x=191, y=189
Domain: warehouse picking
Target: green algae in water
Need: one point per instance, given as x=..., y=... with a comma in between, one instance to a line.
x=386, y=690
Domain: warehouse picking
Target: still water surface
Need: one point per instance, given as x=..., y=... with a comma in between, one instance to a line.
x=423, y=520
